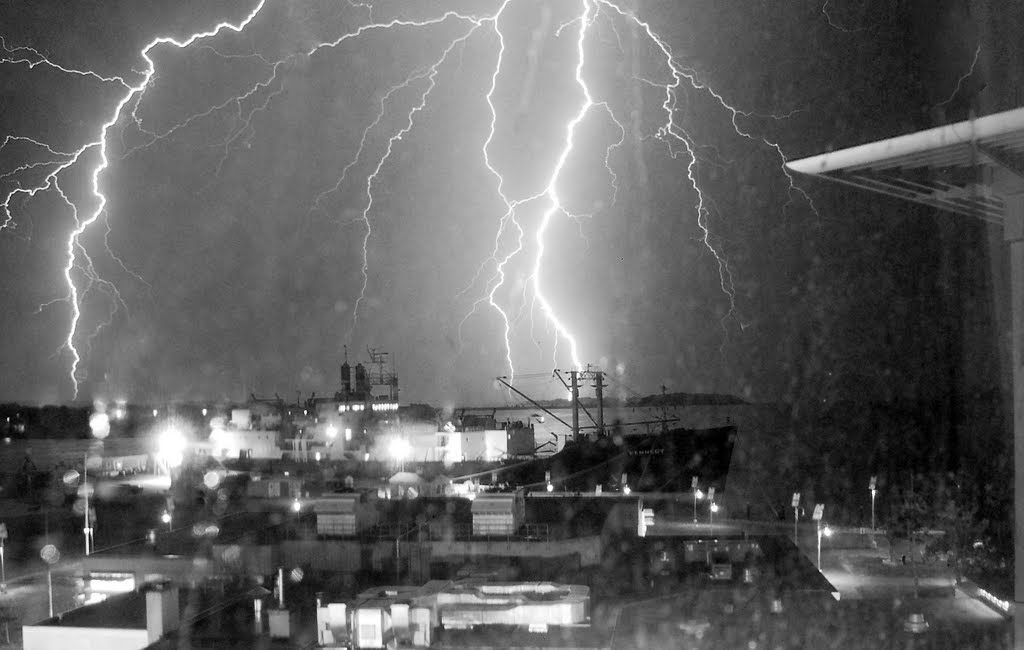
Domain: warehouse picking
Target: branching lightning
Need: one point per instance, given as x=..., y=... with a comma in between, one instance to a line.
x=514, y=238
x=73, y=247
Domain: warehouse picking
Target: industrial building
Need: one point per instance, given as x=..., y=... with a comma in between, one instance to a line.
x=412, y=616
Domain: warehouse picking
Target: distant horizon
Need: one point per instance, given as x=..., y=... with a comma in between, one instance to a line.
x=654, y=399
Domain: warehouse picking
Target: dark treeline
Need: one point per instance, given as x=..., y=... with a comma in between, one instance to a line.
x=63, y=422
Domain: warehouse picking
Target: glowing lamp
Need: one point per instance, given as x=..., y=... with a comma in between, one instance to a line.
x=171, y=447
x=100, y=425
x=399, y=448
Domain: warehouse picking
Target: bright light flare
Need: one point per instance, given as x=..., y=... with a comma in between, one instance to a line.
x=99, y=423
x=171, y=446
x=399, y=448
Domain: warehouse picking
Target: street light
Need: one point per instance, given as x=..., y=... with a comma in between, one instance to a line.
x=712, y=509
x=827, y=532
x=3, y=568
x=166, y=518
x=99, y=423
x=399, y=449
x=171, y=447
x=697, y=495
x=872, y=486
x=796, y=517
x=819, y=512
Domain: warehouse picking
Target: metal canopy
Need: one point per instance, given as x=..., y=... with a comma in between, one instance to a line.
x=952, y=167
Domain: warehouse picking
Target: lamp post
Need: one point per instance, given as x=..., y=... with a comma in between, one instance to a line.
x=3, y=568
x=712, y=510
x=796, y=516
x=166, y=518
x=51, y=556
x=99, y=424
x=827, y=532
x=695, y=486
x=819, y=512
x=296, y=508
x=87, y=531
x=872, y=486
x=399, y=449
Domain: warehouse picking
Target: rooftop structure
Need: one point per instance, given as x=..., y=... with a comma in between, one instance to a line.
x=128, y=622
x=403, y=615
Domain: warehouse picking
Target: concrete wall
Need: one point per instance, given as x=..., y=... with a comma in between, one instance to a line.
x=48, y=637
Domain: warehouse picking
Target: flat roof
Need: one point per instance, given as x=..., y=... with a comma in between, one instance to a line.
x=123, y=612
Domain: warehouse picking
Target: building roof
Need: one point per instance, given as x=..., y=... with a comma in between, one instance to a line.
x=122, y=612
x=948, y=167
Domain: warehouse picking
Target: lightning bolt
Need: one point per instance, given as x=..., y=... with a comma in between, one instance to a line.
x=33, y=58
x=964, y=77
x=395, y=137
x=519, y=246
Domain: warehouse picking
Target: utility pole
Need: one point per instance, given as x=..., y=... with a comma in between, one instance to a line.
x=599, y=388
x=574, y=376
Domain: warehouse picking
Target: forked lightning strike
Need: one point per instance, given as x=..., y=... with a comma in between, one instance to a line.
x=81, y=225
x=512, y=238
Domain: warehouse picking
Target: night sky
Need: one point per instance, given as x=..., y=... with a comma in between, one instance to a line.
x=235, y=244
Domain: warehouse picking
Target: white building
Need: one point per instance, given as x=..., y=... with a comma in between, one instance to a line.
x=458, y=446
x=243, y=443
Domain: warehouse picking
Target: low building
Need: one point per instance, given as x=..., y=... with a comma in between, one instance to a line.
x=129, y=622
x=391, y=616
x=533, y=605
x=343, y=514
x=454, y=446
x=274, y=487
x=244, y=443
